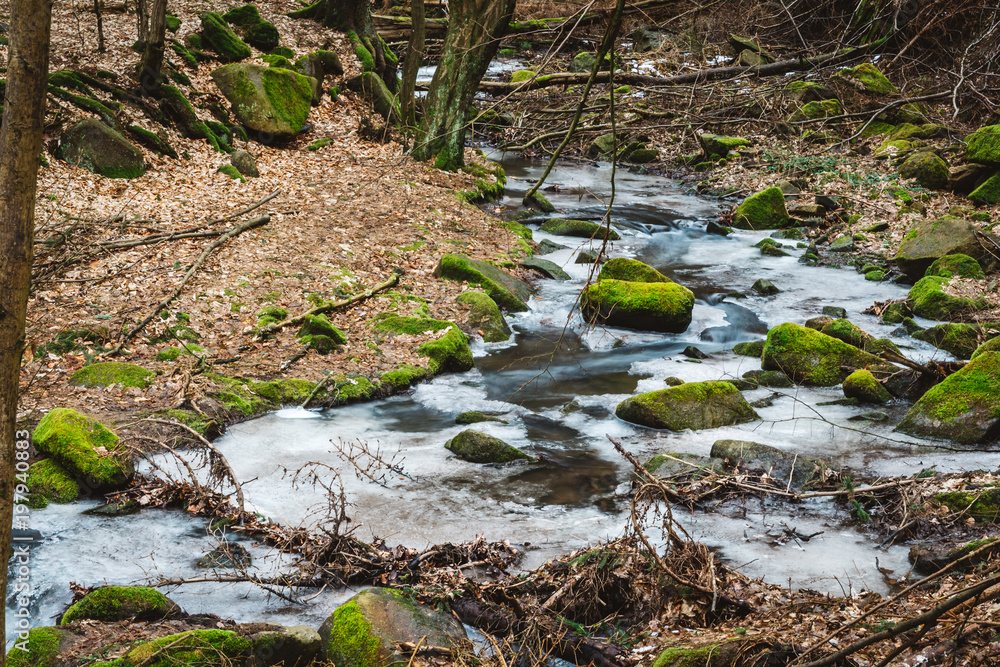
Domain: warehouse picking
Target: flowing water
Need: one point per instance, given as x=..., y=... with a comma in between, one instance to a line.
x=556, y=384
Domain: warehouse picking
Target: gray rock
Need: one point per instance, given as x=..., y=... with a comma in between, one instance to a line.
x=928, y=240
x=94, y=146
x=836, y=312
x=547, y=247
x=842, y=244
x=228, y=555
x=245, y=163
x=547, y=268
x=782, y=466
x=268, y=100
x=764, y=287
x=692, y=405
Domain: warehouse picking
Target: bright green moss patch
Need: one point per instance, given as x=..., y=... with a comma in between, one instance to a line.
x=287, y=391
x=50, y=482
x=983, y=145
x=720, y=145
x=118, y=603
x=663, y=307
x=447, y=353
x=692, y=405
x=271, y=315
x=631, y=270
x=85, y=447
x=107, y=373
x=318, y=333
x=957, y=338
x=352, y=641
x=686, y=657
x=930, y=301
x=578, y=228
x=319, y=143
x=540, y=202
x=992, y=345
x=981, y=504
x=508, y=292
x=816, y=110
x=764, y=210
x=43, y=649
x=749, y=349
x=221, y=38
x=959, y=265
x=485, y=316
x=870, y=79
x=812, y=358
x=402, y=377
x=477, y=447
x=862, y=385
x=195, y=648
x=988, y=193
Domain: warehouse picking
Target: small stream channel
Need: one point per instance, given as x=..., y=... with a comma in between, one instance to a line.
x=557, y=384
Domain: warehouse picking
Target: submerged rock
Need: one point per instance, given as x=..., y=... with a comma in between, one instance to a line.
x=546, y=267
x=478, y=447
x=366, y=629
x=963, y=408
x=692, y=405
x=813, y=358
x=86, y=448
x=665, y=307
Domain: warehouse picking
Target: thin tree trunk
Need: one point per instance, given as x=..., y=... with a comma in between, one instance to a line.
x=414, y=56
x=150, y=67
x=100, y=27
x=475, y=28
x=142, y=21
x=20, y=145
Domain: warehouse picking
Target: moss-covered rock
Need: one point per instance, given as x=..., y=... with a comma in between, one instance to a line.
x=930, y=300
x=271, y=315
x=929, y=240
x=716, y=146
x=43, y=648
x=929, y=170
x=50, y=482
x=87, y=449
x=868, y=78
x=151, y=140
x=448, y=352
x=364, y=631
x=789, y=468
x=631, y=270
x=988, y=193
x=371, y=87
x=981, y=504
x=964, y=407
x=775, y=379
x=692, y=405
x=752, y=348
x=579, y=228
x=813, y=358
x=105, y=373
x=992, y=345
x=508, y=292
x=284, y=391
x=245, y=163
x=203, y=648
x=546, y=267
x=319, y=334
x=808, y=91
x=94, y=146
x=476, y=417
x=862, y=385
x=485, y=316
x=983, y=146
x=218, y=36
x=232, y=172
x=267, y=100
x=816, y=110
x=263, y=35
x=852, y=334
x=663, y=307
x=478, y=447
x=959, y=265
x=764, y=210
x=959, y=339
x=402, y=377
x=119, y=603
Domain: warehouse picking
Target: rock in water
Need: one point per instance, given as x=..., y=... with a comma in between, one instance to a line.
x=692, y=405
x=813, y=358
x=862, y=385
x=268, y=100
x=663, y=307
x=477, y=447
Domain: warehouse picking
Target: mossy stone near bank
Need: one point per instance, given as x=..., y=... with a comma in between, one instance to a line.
x=959, y=265
x=927, y=168
x=813, y=358
x=120, y=603
x=692, y=405
x=319, y=334
x=107, y=373
x=48, y=481
x=988, y=193
x=507, y=291
x=92, y=145
x=665, y=307
x=478, y=447
x=763, y=210
x=204, y=648
x=930, y=300
x=446, y=353
x=862, y=385
x=485, y=316
x=583, y=229
x=87, y=449
x=43, y=649
x=958, y=338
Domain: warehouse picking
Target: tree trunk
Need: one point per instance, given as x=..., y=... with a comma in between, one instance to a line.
x=142, y=21
x=20, y=145
x=151, y=65
x=100, y=27
x=414, y=56
x=474, y=31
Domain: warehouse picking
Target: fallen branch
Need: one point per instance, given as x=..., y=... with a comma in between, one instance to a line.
x=393, y=280
x=235, y=231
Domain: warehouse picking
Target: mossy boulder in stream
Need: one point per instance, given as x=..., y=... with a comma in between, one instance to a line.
x=508, y=292
x=583, y=229
x=865, y=387
x=930, y=300
x=477, y=447
x=447, y=351
x=958, y=338
x=485, y=316
x=364, y=631
x=692, y=405
x=963, y=408
x=813, y=358
x=267, y=100
x=50, y=482
x=43, y=648
x=662, y=307
x=764, y=210
x=120, y=603
x=94, y=146
x=631, y=270
x=845, y=330
x=88, y=449
x=929, y=240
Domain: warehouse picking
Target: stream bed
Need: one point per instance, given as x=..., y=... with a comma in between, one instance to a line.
x=557, y=384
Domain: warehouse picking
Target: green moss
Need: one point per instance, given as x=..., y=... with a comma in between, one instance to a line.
x=169, y=354
x=663, y=307
x=152, y=141
x=631, y=270
x=870, y=78
x=692, y=405
x=764, y=210
x=85, y=447
x=929, y=170
x=485, y=316
x=244, y=16
x=221, y=38
x=955, y=265
x=50, y=482
x=447, y=353
x=236, y=395
x=816, y=110
x=286, y=391
x=477, y=447
x=190, y=418
x=352, y=642
x=812, y=358
x=264, y=36
x=319, y=143
x=508, y=292
x=877, y=127
x=981, y=504
x=173, y=23
x=402, y=377
x=117, y=603
x=475, y=417
x=540, y=202
x=959, y=339
x=195, y=648
x=992, y=345
x=232, y=172
x=320, y=334
x=862, y=385
x=988, y=193
x=43, y=649
x=361, y=51
x=686, y=657
x=69, y=340
x=106, y=373
x=721, y=145
x=271, y=315
x=521, y=75
x=578, y=228
x=749, y=349
x=983, y=145
x=930, y=301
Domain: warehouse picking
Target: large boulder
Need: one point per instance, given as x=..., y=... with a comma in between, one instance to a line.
x=119, y=603
x=692, y=405
x=929, y=170
x=508, y=292
x=929, y=299
x=764, y=210
x=963, y=408
x=988, y=193
x=949, y=266
x=268, y=100
x=94, y=146
x=365, y=630
x=478, y=447
x=791, y=469
x=662, y=307
x=928, y=240
x=983, y=146
x=813, y=358
x=88, y=449
x=218, y=36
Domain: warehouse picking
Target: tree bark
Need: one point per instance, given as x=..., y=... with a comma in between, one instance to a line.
x=474, y=31
x=20, y=145
x=414, y=56
x=100, y=27
x=151, y=65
